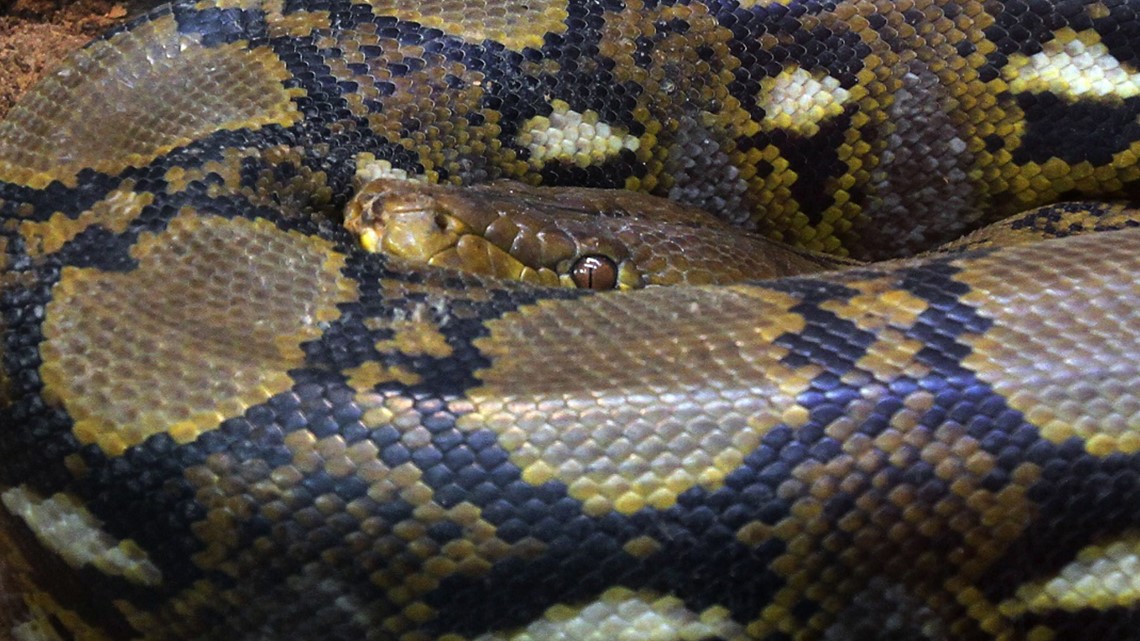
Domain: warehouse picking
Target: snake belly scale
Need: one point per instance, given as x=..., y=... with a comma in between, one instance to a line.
x=220, y=419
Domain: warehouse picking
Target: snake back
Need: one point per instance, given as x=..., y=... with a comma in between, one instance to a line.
x=221, y=419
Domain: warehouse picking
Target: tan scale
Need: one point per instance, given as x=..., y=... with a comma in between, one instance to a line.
x=396, y=556
x=306, y=191
x=892, y=354
x=1103, y=576
x=441, y=136
x=970, y=511
x=416, y=338
x=1062, y=396
x=574, y=137
x=28, y=606
x=688, y=351
x=797, y=100
x=299, y=24
x=105, y=74
x=202, y=257
x=639, y=454
x=371, y=374
x=228, y=169
x=717, y=111
x=1048, y=222
x=621, y=614
x=114, y=213
x=1076, y=66
x=515, y=23
x=1037, y=183
x=64, y=525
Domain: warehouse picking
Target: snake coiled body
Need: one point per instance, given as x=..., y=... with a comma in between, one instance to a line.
x=220, y=419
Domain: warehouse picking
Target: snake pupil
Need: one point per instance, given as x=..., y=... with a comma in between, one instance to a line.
x=594, y=272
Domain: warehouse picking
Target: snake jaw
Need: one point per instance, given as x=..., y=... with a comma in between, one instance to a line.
x=393, y=216
x=420, y=234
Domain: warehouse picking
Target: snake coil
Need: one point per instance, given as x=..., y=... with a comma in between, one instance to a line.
x=221, y=419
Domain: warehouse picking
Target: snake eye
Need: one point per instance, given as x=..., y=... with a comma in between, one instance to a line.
x=594, y=272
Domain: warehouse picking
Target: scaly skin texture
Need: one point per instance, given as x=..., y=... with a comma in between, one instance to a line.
x=542, y=235
x=220, y=419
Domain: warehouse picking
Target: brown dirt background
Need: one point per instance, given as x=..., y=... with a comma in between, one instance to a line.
x=35, y=35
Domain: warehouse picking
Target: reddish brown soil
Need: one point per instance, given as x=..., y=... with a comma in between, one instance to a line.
x=36, y=34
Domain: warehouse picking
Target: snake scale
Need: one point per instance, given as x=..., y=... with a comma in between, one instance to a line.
x=221, y=419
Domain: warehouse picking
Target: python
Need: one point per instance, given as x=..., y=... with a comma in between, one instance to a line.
x=220, y=418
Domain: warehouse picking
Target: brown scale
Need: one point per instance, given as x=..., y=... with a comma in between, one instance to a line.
x=589, y=238
x=138, y=126
x=883, y=534
x=628, y=401
x=109, y=333
x=543, y=235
